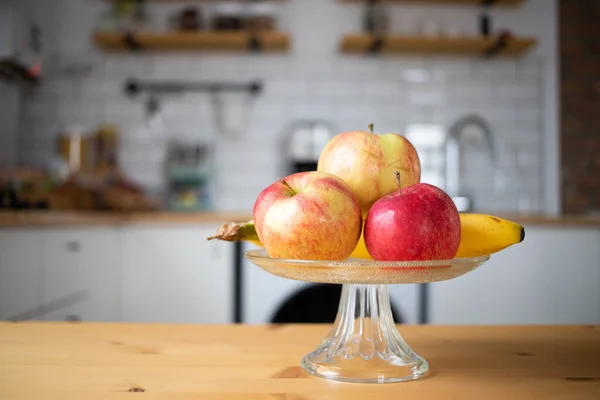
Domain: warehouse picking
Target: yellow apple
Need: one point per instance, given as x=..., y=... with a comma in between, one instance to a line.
x=366, y=162
x=308, y=216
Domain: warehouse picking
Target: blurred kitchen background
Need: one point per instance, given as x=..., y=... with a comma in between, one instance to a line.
x=131, y=130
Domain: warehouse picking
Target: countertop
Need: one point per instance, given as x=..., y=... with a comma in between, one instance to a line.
x=108, y=218
x=87, y=218
x=125, y=361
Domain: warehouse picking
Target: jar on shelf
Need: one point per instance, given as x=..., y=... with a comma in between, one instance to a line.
x=261, y=16
x=190, y=20
x=228, y=16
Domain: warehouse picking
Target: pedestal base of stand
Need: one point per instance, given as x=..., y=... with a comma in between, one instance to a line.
x=364, y=345
x=371, y=371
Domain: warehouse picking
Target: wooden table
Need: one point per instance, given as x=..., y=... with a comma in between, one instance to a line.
x=136, y=361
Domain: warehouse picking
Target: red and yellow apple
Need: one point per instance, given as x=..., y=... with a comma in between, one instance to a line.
x=308, y=216
x=367, y=161
x=420, y=222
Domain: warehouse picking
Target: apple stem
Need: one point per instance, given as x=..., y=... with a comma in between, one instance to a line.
x=288, y=187
x=371, y=126
x=398, y=180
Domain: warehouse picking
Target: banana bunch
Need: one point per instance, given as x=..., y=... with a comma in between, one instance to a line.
x=481, y=234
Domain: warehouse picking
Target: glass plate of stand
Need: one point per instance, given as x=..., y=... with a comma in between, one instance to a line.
x=363, y=344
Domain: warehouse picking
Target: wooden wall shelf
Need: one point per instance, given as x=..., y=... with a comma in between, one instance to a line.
x=496, y=3
x=198, y=41
x=441, y=46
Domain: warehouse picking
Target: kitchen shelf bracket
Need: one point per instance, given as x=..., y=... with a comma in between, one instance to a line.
x=497, y=47
x=255, y=44
x=376, y=45
x=131, y=42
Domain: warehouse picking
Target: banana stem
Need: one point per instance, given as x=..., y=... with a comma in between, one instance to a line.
x=236, y=231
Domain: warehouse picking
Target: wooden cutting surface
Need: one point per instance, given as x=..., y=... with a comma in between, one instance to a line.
x=137, y=361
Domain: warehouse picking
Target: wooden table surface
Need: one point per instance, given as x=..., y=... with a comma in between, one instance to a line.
x=136, y=361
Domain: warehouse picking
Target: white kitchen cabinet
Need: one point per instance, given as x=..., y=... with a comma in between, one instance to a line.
x=174, y=275
x=81, y=274
x=553, y=277
x=20, y=274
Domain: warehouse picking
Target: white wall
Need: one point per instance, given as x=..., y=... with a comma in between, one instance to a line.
x=519, y=98
x=540, y=19
x=9, y=123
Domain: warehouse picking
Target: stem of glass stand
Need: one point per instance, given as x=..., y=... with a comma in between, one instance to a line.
x=364, y=344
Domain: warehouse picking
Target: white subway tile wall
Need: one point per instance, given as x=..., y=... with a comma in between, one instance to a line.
x=10, y=100
x=312, y=81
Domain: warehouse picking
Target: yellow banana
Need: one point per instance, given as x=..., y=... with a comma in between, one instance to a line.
x=360, y=251
x=481, y=234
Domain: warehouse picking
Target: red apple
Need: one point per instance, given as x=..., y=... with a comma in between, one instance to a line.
x=420, y=222
x=367, y=161
x=308, y=216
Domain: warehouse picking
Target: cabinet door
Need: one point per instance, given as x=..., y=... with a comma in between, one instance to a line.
x=20, y=274
x=81, y=275
x=174, y=275
x=553, y=277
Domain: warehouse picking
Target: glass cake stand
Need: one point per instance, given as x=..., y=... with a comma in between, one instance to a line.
x=364, y=345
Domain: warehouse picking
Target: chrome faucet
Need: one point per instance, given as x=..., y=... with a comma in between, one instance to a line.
x=453, y=157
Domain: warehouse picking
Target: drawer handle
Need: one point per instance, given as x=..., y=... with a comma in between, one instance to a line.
x=73, y=247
